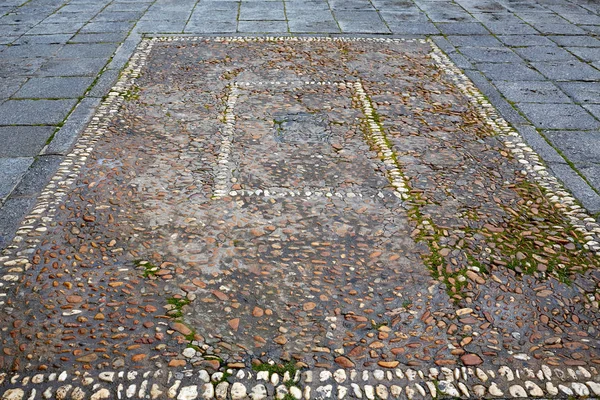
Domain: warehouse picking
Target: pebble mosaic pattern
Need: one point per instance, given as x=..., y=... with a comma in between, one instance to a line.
x=348, y=217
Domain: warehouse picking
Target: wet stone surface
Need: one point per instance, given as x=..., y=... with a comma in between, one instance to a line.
x=239, y=208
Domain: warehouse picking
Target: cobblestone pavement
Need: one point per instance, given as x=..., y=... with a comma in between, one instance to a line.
x=300, y=218
x=536, y=60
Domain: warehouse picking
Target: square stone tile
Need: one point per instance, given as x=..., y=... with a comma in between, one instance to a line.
x=88, y=50
x=54, y=87
x=351, y=5
x=262, y=26
x=589, y=54
x=582, y=92
x=474, y=40
x=360, y=22
x=13, y=170
x=567, y=71
x=11, y=67
x=9, y=85
x=594, y=109
x=577, y=146
x=99, y=27
x=106, y=37
x=575, y=41
x=412, y=28
x=62, y=27
x=262, y=11
x=558, y=29
x=210, y=27
x=532, y=92
x=525, y=40
x=559, y=116
x=582, y=18
x=544, y=53
x=73, y=67
x=23, y=141
x=509, y=72
x=500, y=28
x=105, y=16
x=59, y=38
x=31, y=50
x=466, y=28
x=591, y=173
x=160, y=26
x=490, y=54
x=35, y=112
x=313, y=25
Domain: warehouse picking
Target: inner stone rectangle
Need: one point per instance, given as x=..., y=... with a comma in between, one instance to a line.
x=304, y=138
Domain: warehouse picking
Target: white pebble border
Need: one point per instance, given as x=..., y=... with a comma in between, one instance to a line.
x=224, y=167
x=244, y=384
x=405, y=383
x=530, y=161
x=15, y=259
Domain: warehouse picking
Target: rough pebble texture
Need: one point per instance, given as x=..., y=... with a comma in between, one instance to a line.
x=324, y=204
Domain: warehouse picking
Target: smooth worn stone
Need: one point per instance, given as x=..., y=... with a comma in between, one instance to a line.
x=238, y=391
x=188, y=393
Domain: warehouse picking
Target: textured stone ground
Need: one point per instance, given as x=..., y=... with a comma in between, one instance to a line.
x=536, y=60
x=309, y=206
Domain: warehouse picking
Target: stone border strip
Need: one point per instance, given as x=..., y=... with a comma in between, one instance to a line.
x=223, y=171
x=15, y=258
x=527, y=157
x=241, y=384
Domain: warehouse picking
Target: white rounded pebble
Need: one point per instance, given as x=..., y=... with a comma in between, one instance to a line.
x=208, y=391
x=342, y=392
x=580, y=389
x=552, y=390
x=238, y=391
x=324, y=376
x=324, y=392
x=396, y=390
x=101, y=394
x=517, y=391
x=204, y=376
x=107, y=376
x=13, y=394
x=481, y=375
x=221, y=390
x=188, y=393
x=565, y=390
x=382, y=392
x=506, y=372
x=479, y=390
x=369, y=392
x=356, y=390
x=295, y=392
x=189, y=352
x=275, y=379
x=258, y=392
x=262, y=376
x=339, y=375
x=77, y=394
x=495, y=390
x=534, y=389
x=595, y=387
